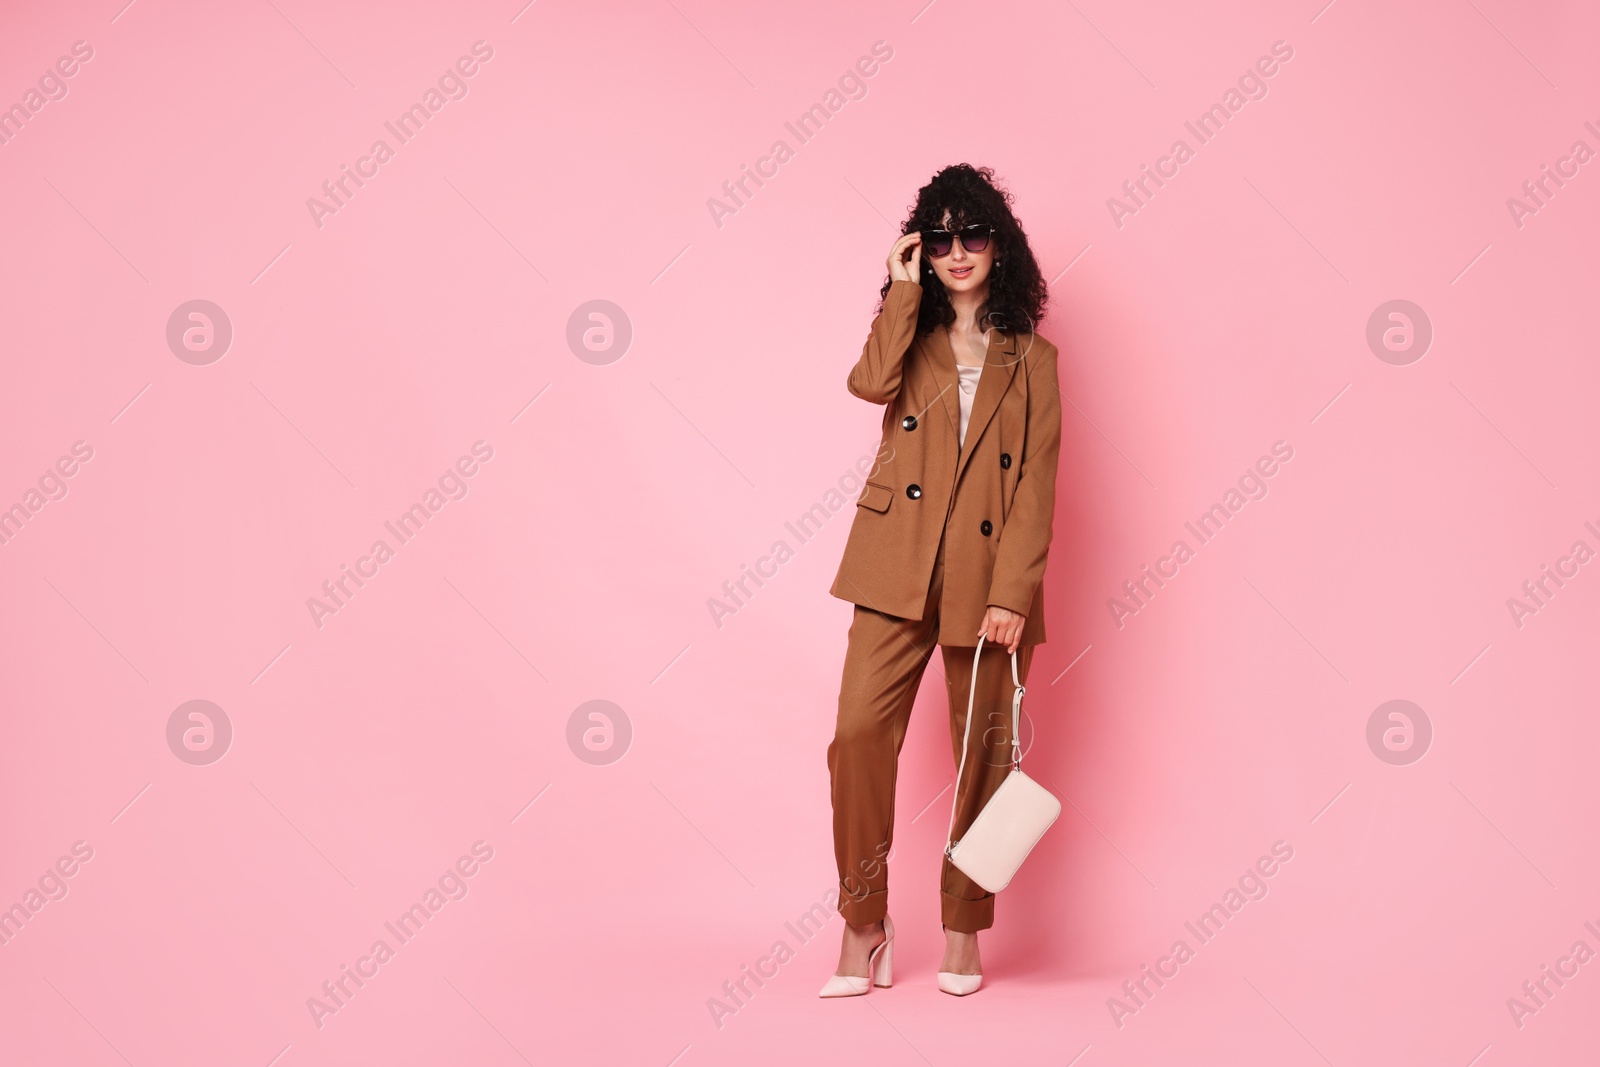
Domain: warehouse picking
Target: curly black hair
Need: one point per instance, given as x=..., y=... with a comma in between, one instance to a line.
x=1017, y=291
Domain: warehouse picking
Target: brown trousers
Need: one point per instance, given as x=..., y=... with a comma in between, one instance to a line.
x=883, y=667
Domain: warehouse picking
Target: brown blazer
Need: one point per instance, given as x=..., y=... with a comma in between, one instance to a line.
x=993, y=501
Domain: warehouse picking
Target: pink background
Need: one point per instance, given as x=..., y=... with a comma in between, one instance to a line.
x=371, y=352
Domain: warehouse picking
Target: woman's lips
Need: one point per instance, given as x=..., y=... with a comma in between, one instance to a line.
x=960, y=272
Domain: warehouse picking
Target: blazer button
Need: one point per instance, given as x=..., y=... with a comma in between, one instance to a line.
x=909, y=422
x=914, y=491
x=987, y=527
x=1005, y=461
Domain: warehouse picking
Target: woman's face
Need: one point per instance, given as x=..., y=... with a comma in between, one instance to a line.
x=961, y=270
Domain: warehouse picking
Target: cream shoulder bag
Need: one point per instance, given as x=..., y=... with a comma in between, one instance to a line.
x=1017, y=815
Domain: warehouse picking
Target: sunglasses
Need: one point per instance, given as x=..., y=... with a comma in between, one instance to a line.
x=974, y=238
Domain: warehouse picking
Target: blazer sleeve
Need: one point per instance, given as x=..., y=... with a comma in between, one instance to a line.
x=1025, y=538
x=876, y=375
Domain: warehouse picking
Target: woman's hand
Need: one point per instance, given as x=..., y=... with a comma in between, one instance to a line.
x=905, y=259
x=1002, y=626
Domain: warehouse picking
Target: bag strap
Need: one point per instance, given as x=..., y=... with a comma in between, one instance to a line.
x=1016, y=743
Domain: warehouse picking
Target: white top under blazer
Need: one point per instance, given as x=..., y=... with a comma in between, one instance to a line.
x=969, y=386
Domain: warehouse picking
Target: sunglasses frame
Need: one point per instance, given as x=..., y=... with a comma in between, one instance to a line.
x=956, y=234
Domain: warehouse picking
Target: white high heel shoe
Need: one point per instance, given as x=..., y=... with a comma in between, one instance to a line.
x=880, y=970
x=959, y=985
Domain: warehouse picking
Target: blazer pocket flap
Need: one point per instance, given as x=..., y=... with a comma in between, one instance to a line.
x=875, y=496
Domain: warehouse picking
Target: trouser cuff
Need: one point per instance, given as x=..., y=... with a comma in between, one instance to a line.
x=966, y=916
x=859, y=911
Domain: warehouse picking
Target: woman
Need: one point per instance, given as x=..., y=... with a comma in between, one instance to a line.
x=949, y=542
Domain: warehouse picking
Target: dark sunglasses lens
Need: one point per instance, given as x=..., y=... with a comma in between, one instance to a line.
x=937, y=242
x=975, y=238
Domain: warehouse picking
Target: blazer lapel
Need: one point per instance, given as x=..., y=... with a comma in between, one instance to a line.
x=999, y=367
x=942, y=361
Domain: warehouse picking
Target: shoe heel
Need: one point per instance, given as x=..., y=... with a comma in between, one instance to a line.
x=883, y=973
